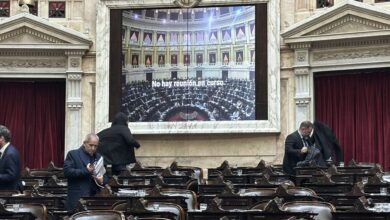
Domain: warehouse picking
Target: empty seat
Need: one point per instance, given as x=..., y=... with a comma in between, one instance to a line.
x=301, y=191
x=322, y=209
x=258, y=192
x=261, y=206
x=167, y=207
x=147, y=218
x=98, y=215
x=38, y=210
x=152, y=207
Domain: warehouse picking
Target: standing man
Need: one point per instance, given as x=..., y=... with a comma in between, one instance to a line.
x=79, y=169
x=117, y=144
x=9, y=162
x=296, y=147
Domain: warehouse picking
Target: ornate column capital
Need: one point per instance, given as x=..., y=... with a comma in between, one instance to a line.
x=301, y=71
x=74, y=76
x=302, y=101
x=74, y=105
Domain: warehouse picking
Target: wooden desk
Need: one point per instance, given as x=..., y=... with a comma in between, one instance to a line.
x=51, y=203
x=361, y=216
x=98, y=203
x=244, y=215
x=20, y=214
x=246, y=202
x=344, y=202
x=250, y=178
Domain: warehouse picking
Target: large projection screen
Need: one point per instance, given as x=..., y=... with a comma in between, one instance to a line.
x=199, y=70
x=190, y=64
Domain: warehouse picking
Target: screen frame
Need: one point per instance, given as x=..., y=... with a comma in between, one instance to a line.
x=106, y=107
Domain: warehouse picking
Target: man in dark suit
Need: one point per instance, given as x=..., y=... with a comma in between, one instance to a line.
x=296, y=147
x=117, y=144
x=9, y=162
x=79, y=169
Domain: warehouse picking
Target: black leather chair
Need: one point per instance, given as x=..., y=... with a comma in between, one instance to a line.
x=323, y=210
x=98, y=215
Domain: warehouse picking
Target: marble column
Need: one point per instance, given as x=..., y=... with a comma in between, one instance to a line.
x=303, y=85
x=73, y=136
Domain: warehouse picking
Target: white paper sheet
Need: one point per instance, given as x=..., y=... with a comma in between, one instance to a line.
x=99, y=168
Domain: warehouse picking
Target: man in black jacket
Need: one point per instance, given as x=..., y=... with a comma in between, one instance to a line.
x=296, y=147
x=117, y=144
x=9, y=162
x=79, y=169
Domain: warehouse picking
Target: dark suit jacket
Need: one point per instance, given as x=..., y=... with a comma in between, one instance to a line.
x=80, y=181
x=292, y=154
x=10, y=169
x=116, y=145
x=326, y=141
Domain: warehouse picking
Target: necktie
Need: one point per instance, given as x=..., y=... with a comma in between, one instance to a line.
x=305, y=144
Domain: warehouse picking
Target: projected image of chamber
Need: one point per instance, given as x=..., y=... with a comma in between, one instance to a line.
x=189, y=64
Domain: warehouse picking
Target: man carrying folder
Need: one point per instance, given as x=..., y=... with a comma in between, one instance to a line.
x=85, y=172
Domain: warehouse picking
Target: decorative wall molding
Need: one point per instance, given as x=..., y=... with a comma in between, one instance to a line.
x=32, y=63
x=35, y=53
x=75, y=62
x=351, y=43
x=361, y=23
x=32, y=32
x=74, y=52
x=351, y=54
x=301, y=57
x=303, y=45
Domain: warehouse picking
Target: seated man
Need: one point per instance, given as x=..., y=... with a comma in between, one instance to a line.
x=79, y=169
